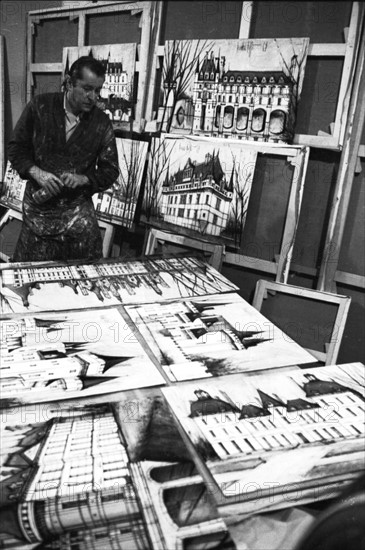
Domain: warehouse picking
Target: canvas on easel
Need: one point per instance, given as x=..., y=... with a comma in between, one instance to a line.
x=117, y=205
x=199, y=185
x=245, y=88
x=117, y=96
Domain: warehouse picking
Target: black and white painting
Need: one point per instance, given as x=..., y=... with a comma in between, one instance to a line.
x=116, y=97
x=81, y=286
x=200, y=185
x=213, y=336
x=245, y=88
x=118, y=204
x=274, y=439
x=78, y=354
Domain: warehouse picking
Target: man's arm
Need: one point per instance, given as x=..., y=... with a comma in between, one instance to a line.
x=20, y=153
x=20, y=147
x=106, y=171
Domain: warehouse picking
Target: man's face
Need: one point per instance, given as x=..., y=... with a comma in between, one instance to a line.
x=83, y=95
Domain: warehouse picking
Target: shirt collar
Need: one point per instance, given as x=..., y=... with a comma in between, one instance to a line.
x=68, y=113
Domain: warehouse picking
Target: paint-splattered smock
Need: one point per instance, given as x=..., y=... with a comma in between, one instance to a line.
x=65, y=227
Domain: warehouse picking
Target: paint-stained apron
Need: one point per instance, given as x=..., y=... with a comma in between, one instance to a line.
x=63, y=228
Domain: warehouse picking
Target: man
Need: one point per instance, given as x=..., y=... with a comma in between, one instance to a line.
x=64, y=146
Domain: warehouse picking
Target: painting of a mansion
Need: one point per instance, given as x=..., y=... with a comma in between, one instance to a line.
x=254, y=105
x=198, y=196
x=115, y=92
x=110, y=207
x=75, y=483
x=118, y=61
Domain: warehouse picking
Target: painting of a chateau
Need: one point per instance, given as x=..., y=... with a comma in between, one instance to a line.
x=118, y=203
x=245, y=89
x=199, y=185
x=116, y=97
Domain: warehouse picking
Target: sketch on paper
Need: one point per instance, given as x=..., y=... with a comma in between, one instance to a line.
x=65, y=286
x=53, y=357
x=71, y=464
x=213, y=336
x=200, y=185
x=302, y=431
x=117, y=94
x=13, y=188
x=118, y=204
x=244, y=88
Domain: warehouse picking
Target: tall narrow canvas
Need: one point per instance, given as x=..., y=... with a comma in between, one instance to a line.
x=12, y=191
x=199, y=184
x=248, y=88
x=117, y=94
x=118, y=204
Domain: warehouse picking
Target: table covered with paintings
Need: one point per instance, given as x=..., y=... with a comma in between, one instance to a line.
x=146, y=404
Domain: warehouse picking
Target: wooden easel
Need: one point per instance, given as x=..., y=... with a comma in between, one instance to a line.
x=214, y=252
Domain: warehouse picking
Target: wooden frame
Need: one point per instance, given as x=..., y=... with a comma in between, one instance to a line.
x=2, y=109
x=349, y=165
x=9, y=215
x=263, y=288
x=149, y=24
x=348, y=51
x=298, y=157
x=154, y=237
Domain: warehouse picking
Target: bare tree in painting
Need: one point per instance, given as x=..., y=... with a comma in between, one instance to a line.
x=156, y=172
x=294, y=70
x=241, y=178
x=127, y=187
x=181, y=58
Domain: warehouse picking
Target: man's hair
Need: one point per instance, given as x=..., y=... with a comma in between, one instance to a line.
x=95, y=66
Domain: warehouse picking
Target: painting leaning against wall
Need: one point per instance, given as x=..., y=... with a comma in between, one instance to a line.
x=12, y=190
x=117, y=94
x=118, y=204
x=199, y=184
x=248, y=89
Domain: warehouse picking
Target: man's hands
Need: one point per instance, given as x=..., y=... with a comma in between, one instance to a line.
x=72, y=181
x=53, y=184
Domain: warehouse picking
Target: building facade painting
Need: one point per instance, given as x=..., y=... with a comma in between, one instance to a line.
x=277, y=421
x=118, y=203
x=246, y=89
x=116, y=97
x=200, y=185
x=77, y=484
x=198, y=196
